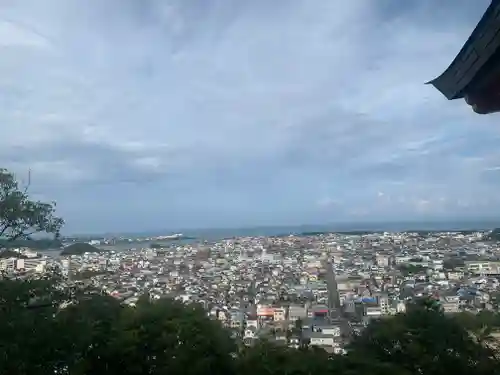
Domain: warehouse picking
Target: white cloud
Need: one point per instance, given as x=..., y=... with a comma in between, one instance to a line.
x=244, y=99
x=15, y=35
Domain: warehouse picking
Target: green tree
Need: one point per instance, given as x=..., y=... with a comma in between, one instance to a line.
x=424, y=304
x=480, y=325
x=425, y=341
x=354, y=364
x=49, y=329
x=164, y=337
x=28, y=333
x=84, y=329
x=20, y=216
x=410, y=269
x=267, y=358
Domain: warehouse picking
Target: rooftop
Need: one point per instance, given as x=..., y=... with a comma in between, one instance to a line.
x=474, y=74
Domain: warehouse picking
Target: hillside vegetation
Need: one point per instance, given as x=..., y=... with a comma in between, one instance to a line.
x=11, y=254
x=79, y=249
x=97, y=335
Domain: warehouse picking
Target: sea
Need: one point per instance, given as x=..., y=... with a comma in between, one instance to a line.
x=268, y=231
x=212, y=235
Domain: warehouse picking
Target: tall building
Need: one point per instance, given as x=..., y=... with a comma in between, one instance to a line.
x=8, y=264
x=70, y=266
x=31, y=264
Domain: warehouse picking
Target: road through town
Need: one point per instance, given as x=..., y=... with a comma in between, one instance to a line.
x=334, y=306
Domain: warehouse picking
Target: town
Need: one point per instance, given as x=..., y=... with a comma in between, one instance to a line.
x=315, y=290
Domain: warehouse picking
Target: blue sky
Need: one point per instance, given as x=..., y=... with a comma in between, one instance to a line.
x=149, y=114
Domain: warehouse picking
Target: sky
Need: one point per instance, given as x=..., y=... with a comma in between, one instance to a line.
x=141, y=115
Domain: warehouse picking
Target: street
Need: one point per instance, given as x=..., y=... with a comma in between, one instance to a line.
x=334, y=306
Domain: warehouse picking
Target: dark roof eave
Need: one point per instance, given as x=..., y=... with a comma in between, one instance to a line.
x=477, y=50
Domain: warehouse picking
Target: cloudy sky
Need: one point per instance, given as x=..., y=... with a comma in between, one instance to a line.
x=150, y=114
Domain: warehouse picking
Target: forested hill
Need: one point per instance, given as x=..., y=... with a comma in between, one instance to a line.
x=79, y=249
x=42, y=244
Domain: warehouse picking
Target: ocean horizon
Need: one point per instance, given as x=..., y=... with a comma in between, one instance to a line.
x=279, y=230
x=217, y=234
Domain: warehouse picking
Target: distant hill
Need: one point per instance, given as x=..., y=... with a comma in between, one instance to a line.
x=79, y=249
x=42, y=244
x=11, y=254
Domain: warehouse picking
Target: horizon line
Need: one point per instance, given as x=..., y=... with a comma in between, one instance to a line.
x=470, y=224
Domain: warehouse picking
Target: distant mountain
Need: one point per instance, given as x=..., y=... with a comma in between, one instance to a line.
x=11, y=254
x=79, y=249
x=42, y=244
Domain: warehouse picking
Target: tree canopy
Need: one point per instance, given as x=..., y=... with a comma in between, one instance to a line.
x=22, y=217
x=51, y=330
x=79, y=249
x=411, y=269
x=426, y=341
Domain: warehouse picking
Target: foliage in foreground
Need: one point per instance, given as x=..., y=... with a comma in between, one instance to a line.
x=22, y=217
x=95, y=334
